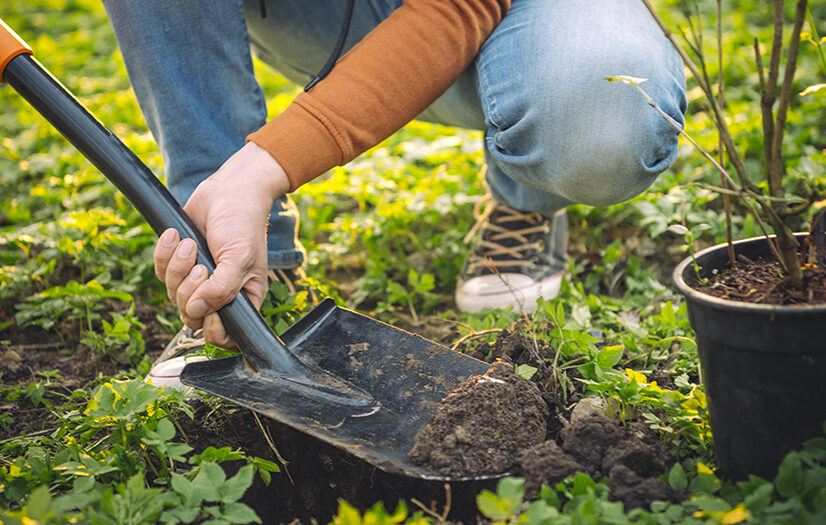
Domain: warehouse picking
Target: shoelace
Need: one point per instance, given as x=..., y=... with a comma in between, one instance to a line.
x=187, y=342
x=493, y=251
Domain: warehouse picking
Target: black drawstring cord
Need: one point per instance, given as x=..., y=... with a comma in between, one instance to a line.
x=262, y=7
x=342, y=36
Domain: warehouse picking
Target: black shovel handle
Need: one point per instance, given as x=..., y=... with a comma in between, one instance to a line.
x=154, y=202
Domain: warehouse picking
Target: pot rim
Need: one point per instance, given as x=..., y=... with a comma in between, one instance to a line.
x=691, y=293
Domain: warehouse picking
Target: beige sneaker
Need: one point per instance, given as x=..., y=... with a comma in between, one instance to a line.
x=517, y=258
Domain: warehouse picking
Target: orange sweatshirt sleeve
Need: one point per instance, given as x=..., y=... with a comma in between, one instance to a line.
x=381, y=84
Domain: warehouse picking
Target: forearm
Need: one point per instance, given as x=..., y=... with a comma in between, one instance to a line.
x=385, y=81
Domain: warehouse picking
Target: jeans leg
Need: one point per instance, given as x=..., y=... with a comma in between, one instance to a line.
x=557, y=132
x=296, y=37
x=190, y=66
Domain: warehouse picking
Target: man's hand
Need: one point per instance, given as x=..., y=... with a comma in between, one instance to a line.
x=230, y=208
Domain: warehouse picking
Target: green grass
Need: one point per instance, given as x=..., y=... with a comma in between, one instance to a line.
x=384, y=235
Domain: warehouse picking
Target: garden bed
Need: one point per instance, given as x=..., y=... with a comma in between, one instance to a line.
x=576, y=434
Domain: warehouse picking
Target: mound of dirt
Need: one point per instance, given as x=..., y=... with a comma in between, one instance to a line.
x=483, y=426
x=579, y=436
x=630, y=456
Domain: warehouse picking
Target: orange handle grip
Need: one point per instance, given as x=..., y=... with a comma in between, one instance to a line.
x=11, y=45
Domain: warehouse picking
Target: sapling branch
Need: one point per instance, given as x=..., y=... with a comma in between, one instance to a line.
x=791, y=201
x=717, y=112
x=742, y=192
x=786, y=243
x=776, y=164
x=720, y=148
x=766, y=111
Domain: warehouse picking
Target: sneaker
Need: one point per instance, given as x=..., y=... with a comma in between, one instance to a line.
x=517, y=258
x=167, y=368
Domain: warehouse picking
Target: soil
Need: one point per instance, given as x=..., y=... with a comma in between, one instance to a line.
x=497, y=423
x=762, y=282
x=483, y=426
x=507, y=425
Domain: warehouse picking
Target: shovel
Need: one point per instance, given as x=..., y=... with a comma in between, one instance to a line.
x=356, y=383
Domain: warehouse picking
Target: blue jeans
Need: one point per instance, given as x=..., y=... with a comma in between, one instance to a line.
x=556, y=132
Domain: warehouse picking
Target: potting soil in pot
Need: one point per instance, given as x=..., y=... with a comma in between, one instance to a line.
x=483, y=426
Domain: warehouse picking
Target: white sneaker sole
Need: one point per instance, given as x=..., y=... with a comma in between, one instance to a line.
x=168, y=373
x=503, y=290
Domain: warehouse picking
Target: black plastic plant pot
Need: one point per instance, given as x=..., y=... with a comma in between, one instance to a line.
x=764, y=368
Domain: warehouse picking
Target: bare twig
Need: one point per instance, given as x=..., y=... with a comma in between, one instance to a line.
x=270, y=443
x=717, y=112
x=30, y=434
x=720, y=146
x=474, y=335
x=776, y=164
x=441, y=518
x=777, y=48
x=744, y=192
x=791, y=201
x=766, y=111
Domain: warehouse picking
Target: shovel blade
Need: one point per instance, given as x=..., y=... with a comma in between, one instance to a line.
x=406, y=375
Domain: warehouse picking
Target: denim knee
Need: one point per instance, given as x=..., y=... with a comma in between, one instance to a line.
x=559, y=133
x=598, y=150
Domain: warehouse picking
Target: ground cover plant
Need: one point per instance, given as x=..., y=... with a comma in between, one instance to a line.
x=82, y=316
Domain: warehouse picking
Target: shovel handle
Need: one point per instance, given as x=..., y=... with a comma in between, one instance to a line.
x=136, y=181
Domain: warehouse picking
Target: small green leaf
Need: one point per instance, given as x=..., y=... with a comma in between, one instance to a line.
x=186, y=489
x=234, y=487
x=83, y=483
x=789, y=480
x=677, y=478
x=208, y=481
x=610, y=355
x=539, y=512
x=347, y=514
x=39, y=502
x=239, y=513
x=759, y=499
x=709, y=504
x=492, y=506
x=526, y=371
x=708, y=480
x=512, y=489
x=165, y=429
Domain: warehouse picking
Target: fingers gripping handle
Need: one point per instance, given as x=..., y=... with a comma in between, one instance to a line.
x=154, y=202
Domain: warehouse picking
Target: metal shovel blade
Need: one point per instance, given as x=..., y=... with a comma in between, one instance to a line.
x=351, y=381
x=407, y=376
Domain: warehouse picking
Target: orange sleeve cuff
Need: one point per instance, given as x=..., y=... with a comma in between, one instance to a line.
x=302, y=141
x=382, y=83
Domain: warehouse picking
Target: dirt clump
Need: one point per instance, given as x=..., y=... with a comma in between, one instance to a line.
x=546, y=464
x=630, y=456
x=483, y=426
